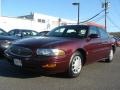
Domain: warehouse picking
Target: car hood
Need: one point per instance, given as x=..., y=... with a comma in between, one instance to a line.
x=36, y=42
x=7, y=38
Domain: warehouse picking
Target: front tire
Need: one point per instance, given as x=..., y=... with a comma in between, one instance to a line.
x=75, y=65
x=110, y=57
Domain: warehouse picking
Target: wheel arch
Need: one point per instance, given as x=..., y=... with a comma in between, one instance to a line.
x=83, y=52
x=114, y=48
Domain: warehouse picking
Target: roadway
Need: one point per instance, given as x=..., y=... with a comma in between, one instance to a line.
x=96, y=76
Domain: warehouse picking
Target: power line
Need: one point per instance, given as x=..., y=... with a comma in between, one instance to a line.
x=92, y=17
x=113, y=23
x=99, y=18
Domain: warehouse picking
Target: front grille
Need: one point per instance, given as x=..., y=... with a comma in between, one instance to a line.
x=20, y=51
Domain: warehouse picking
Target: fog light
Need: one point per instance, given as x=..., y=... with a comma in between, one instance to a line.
x=49, y=66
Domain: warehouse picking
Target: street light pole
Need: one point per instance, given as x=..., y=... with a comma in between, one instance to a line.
x=78, y=13
x=77, y=4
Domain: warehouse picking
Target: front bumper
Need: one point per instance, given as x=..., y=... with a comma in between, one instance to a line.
x=40, y=63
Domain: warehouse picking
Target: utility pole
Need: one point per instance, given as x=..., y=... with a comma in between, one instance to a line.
x=105, y=5
x=106, y=14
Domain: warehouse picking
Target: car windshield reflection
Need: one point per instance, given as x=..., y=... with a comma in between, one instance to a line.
x=67, y=31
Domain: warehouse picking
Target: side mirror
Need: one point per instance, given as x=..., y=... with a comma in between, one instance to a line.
x=94, y=36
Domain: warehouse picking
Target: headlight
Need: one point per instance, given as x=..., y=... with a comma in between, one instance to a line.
x=5, y=43
x=50, y=52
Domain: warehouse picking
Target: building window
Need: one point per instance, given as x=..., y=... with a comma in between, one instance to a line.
x=39, y=20
x=43, y=21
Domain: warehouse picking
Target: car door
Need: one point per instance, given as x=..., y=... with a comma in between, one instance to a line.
x=93, y=46
x=105, y=43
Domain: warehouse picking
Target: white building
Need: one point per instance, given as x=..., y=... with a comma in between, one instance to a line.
x=34, y=21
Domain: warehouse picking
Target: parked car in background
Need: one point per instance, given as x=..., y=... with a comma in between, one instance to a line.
x=117, y=41
x=22, y=33
x=64, y=49
x=8, y=38
x=5, y=40
x=3, y=33
x=43, y=33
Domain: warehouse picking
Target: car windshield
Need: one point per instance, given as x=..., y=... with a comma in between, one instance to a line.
x=15, y=32
x=69, y=31
x=20, y=32
x=2, y=32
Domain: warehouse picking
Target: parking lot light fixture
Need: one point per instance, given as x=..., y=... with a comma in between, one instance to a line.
x=78, y=5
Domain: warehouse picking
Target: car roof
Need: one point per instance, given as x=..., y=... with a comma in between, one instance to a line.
x=95, y=24
x=3, y=31
x=44, y=32
x=73, y=25
x=23, y=30
x=87, y=25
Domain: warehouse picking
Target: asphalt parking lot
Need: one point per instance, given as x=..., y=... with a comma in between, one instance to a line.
x=97, y=76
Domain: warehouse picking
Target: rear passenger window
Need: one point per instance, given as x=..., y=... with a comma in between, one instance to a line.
x=26, y=33
x=33, y=33
x=82, y=33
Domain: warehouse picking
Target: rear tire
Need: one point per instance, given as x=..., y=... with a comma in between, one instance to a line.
x=110, y=57
x=75, y=65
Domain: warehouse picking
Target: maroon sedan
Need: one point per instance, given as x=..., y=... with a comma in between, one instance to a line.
x=64, y=49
